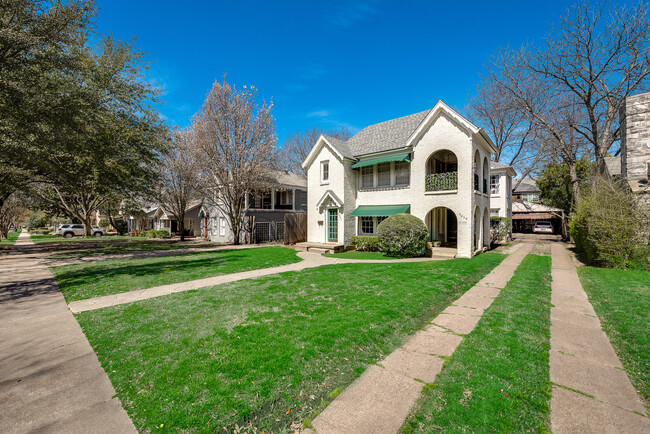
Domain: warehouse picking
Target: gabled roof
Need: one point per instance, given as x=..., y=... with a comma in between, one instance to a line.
x=527, y=185
x=394, y=134
x=287, y=179
x=385, y=136
x=329, y=194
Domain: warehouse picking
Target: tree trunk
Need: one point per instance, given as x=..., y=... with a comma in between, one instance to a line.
x=87, y=227
x=181, y=226
x=575, y=184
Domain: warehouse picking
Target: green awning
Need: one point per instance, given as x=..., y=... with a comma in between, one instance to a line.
x=380, y=210
x=400, y=157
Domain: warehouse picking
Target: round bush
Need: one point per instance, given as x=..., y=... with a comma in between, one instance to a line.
x=402, y=235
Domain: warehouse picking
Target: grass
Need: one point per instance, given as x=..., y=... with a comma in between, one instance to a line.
x=94, y=279
x=10, y=240
x=354, y=254
x=264, y=353
x=44, y=239
x=124, y=246
x=497, y=380
x=621, y=299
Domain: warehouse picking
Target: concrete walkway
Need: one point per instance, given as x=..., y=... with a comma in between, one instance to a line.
x=582, y=359
x=50, y=378
x=309, y=260
x=380, y=400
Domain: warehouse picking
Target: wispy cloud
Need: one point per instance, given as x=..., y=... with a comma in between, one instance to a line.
x=349, y=14
x=319, y=114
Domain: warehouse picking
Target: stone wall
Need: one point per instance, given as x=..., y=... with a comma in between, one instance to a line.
x=635, y=137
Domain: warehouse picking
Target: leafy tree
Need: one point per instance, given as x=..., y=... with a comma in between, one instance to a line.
x=556, y=187
x=10, y=211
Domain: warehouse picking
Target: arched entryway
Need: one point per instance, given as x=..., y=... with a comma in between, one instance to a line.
x=442, y=171
x=477, y=242
x=486, y=227
x=443, y=226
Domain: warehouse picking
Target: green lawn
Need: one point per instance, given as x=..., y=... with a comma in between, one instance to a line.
x=267, y=351
x=10, y=240
x=43, y=239
x=621, y=299
x=94, y=279
x=123, y=246
x=497, y=380
x=354, y=254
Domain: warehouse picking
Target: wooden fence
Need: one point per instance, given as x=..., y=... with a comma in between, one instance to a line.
x=295, y=228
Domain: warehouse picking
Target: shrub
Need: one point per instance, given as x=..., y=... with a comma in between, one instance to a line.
x=104, y=223
x=155, y=234
x=366, y=243
x=402, y=235
x=499, y=227
x=37, y=220
x=609, y=226
x=121, y=226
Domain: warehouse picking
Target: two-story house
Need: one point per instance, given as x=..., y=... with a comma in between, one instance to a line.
x=288, y=194
x=501, y=191
x=433, y=164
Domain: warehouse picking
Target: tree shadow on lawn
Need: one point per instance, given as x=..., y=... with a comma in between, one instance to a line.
x=108, y=277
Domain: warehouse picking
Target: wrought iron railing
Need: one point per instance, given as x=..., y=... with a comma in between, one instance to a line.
x=442, y=181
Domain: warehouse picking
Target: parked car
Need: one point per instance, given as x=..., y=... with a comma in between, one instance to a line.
x=69, y=230
x=543, y=228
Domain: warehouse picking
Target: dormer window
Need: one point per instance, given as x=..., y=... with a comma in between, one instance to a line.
x=324, y=172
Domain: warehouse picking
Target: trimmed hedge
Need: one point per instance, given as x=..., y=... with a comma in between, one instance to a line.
x=402, y=235
x=366, y=243
x=155, y=234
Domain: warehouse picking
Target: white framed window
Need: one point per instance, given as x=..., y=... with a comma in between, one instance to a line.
x=383, y=175
x=324, y=172
x=494, y=184
x=367, y=176
x=286, y=197
x=366, y=226
x=402, y=172
x=222, y=226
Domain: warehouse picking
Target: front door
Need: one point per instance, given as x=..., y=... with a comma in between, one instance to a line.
x=332, y=226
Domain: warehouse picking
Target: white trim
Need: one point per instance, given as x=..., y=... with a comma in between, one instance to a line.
x=322, y=141
x=442, y=107
x=329, y=194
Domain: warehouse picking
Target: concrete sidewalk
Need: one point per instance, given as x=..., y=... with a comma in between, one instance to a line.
x=50, y=378
x=380, y=400
x=591, y=391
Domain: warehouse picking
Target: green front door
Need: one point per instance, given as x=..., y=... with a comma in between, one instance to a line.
x=332, y=226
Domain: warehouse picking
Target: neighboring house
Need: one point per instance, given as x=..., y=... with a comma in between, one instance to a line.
x=433, y=164
x=157, y=218
x=501, y=190
x=526, y=214
x=288, y=195
x=527, y=191
x=634, y=162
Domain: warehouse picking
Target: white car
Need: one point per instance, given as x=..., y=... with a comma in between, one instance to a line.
x=70, y=230
x=543, y=228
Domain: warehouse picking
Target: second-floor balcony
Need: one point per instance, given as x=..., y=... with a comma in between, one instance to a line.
x=442, y=181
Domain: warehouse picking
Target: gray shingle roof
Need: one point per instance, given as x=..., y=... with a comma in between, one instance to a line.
x=496, y=165
x=528, y=185
x=340, y=146
x=384, y=136
x=290, y=179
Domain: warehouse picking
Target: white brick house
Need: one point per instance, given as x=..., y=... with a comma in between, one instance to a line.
x=433, y=164
x=501, y=191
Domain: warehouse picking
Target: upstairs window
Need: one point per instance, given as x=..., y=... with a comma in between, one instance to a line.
x=367, y=177
x=402, y=173
x=324, y=171
x=383, y=175
x=494, y=184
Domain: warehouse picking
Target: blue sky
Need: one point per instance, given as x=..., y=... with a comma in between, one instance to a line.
x=326, y=64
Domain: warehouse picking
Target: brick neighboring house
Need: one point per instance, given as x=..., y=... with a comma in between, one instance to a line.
x=501, y=191
x=433, y=164
x=288, y=195
x=634, y=162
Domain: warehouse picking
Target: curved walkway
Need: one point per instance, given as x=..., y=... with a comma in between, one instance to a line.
x=50, y=377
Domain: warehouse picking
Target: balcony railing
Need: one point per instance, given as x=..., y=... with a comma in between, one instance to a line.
x=442, y=181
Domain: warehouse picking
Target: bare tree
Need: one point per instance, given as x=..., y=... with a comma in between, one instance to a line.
x=11, y=210
x=514, y=135
x=237, y=141
x=589, y=64
x=179, y=176
x=298, y=145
